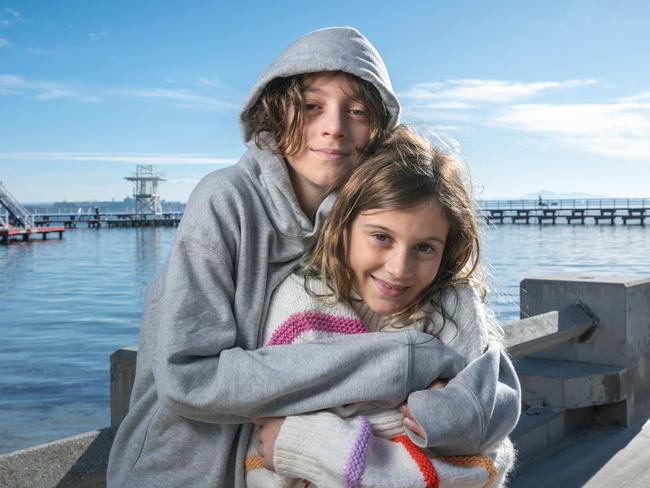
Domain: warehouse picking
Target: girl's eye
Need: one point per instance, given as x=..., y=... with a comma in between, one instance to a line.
x=359, y=112
x=311, y=106
x=425, y=248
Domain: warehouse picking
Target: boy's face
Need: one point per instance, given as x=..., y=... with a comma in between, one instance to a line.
x=335, y=129
x=395, y=254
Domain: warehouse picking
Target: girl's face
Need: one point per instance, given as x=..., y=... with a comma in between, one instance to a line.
x=395, y=254
x=335, y=129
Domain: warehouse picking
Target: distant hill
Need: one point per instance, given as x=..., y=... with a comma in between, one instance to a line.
x=113, y=206
x=550, y=195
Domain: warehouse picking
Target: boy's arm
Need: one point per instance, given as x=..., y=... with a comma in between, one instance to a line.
x=330, y=451
x=191, y=333
x=481, y=405
x=477, y=408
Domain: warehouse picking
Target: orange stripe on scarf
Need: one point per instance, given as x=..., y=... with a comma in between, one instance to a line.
x=473, y=461
x=252, y=463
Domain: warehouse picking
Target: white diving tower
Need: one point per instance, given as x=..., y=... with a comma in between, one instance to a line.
x=16, y=214
x=145, y=190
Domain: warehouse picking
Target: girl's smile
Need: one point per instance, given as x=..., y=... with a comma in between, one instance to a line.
x=395, y=254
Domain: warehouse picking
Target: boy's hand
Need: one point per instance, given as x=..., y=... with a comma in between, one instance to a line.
x=267, y=433
x=409, y=421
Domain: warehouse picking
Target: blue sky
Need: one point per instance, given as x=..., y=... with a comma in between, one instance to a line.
x=548, y=95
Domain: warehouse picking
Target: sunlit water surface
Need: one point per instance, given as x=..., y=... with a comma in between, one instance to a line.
x=66, y=305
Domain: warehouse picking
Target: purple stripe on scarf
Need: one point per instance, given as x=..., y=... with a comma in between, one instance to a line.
x=302, y=322
x=356, y=464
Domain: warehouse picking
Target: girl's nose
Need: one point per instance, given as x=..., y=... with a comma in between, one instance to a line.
x=398, y=263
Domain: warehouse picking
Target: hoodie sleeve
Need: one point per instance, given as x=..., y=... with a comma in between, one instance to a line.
x=477, y=409
x=481, y=405
x=201, y=374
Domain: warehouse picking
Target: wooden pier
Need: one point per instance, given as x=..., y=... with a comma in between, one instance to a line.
x=568, y=211
x=7, y=234
x=110, y=220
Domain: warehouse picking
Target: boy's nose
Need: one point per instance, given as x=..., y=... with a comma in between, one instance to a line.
x=334, y=123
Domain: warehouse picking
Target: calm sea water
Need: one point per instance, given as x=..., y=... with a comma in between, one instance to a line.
x=66, y=305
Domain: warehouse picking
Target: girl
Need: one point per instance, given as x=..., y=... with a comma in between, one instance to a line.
x=200, y=377
x=398, y=250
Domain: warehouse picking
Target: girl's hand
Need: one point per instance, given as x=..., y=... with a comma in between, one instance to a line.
x=267, y=433
x=409, y=421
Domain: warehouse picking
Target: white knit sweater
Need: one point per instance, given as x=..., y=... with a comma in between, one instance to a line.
x=361, y=444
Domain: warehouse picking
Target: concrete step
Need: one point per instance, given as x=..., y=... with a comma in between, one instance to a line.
x=537, y=431
x=568, y=384
x=597, y=458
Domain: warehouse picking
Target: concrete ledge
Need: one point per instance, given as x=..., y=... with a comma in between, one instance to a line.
x=122, y=377
x=73, y=462
x=569, y=384
x=537, y=431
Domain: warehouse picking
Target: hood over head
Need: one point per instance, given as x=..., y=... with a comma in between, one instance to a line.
x=331, y=49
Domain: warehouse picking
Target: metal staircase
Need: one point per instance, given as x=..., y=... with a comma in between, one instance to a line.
x=18, y=215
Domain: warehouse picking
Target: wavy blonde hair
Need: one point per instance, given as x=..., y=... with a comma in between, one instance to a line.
x=404, y=172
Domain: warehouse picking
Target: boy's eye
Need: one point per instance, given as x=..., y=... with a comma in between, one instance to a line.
x=311, y=106
x=359, y=112
x=380, y=237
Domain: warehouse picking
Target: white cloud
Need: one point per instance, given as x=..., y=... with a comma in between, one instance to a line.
x=182, y=97
x=4, y=42
x=641, y=97
x=183, y=181
x=616, y=129
x=38, y=51
x=485, y=91
x=98, y=36
x=41, y=90
x=9, y=16
x=132, y=158
x=11, y=84
x=209, y=82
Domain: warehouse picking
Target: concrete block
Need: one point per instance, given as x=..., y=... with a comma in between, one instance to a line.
x=621, y=338
x=538, y=430
x=73, y=462
x=122, y=377
x=568, y=384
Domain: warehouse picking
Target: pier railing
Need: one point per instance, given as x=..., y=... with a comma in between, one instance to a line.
x=566, y=203
x=581, y=351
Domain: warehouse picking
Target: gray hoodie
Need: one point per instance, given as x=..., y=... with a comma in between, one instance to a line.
x=200, y=377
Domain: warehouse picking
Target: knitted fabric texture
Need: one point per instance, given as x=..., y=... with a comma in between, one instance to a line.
x=424, y=464
x=313, y=321
x=470, y=461
x=297, y=316
x=357, y=458
x=253, y=462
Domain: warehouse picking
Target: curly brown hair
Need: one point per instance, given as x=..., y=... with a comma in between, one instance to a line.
x=404, y=172
x=279, y=111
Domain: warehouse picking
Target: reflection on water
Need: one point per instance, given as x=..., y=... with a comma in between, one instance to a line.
x=515, y=252
x=66, y=305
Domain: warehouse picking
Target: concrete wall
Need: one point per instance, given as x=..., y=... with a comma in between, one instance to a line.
x=621, y=339
x=74, y=462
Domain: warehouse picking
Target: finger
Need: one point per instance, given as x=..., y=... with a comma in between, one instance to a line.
x=438, y=385
x=413, y=427
x=406, y=411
